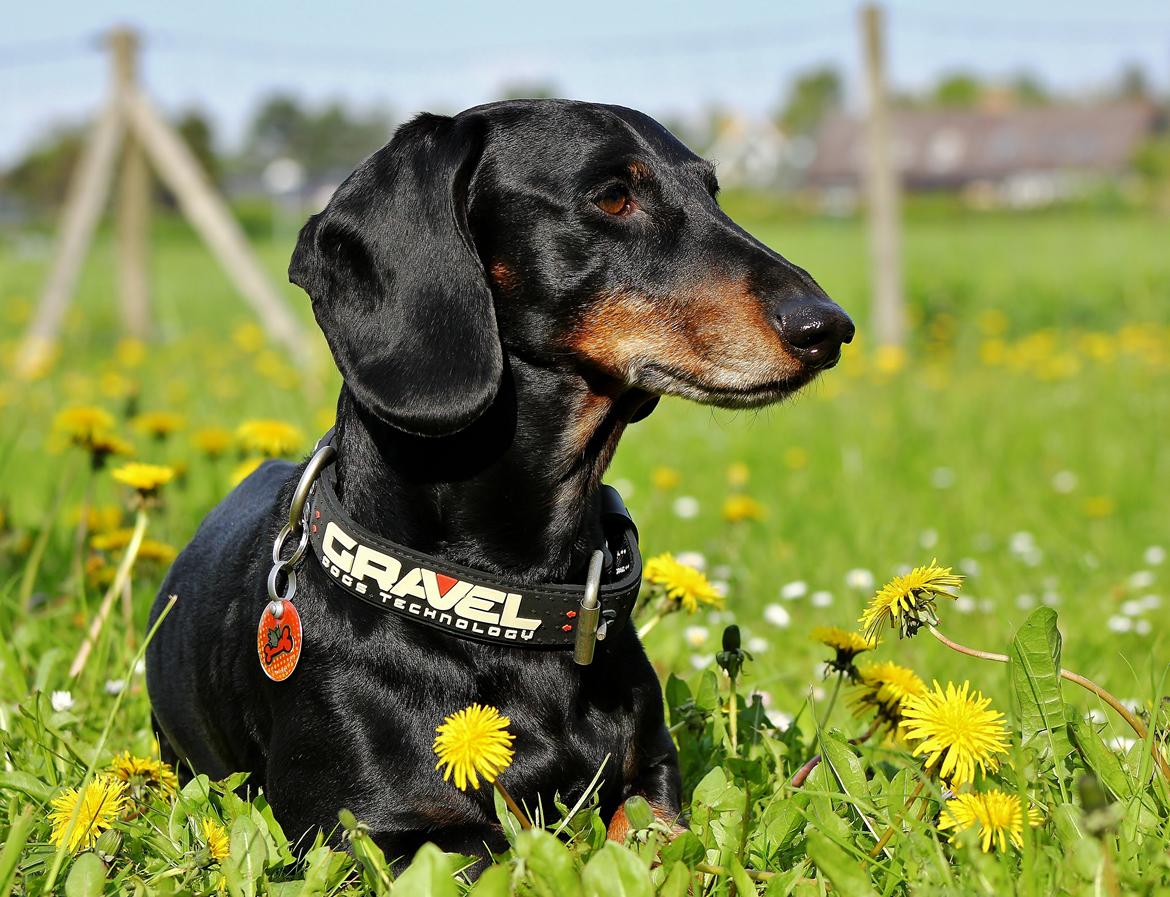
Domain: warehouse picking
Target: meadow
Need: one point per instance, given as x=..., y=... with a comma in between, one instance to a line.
x=1019, y=439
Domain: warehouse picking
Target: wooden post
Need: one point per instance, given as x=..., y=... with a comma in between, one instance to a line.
x=133, y=209
x=149, y=137
x=210, y=216
x=881, y=182
x=87, y=196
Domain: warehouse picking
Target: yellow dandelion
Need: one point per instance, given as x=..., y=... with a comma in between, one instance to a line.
x=154, y=551
x=98, y=572
x=104, y=445
x=1097, y=507
x=665, y=478
x=956, y=727
x=998, y=815
x=681, y=583
x=97, y=806
x=113, y=540
x=244, y=469
x=796, y=458
x=738, y=474
x=115, y=385
x=159, y=424
x=884, y=690
x=846, y=646
x=130, y=352
x=738, y=508
x=82, y=423
x=471, y=743
x=144, y=773
x=906, y=603
x=889, y=359
x=213, y=441
x=248, y=336
x=99, y=518
x=270, y=438
x=146, y=478
x=216, y=838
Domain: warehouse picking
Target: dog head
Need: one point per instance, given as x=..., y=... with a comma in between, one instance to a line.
x=576, y=236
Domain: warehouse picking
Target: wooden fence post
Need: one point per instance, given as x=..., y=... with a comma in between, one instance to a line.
x=149, y=138
x=87, y=195
x=881, y=182
x=133, y=209
x=211, y=218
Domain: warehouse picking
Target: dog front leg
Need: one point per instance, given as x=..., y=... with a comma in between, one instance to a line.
x=657, y=779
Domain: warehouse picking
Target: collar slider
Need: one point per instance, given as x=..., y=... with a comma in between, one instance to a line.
x=589, y=614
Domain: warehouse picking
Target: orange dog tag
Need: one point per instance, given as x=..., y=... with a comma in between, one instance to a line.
x=278, y=640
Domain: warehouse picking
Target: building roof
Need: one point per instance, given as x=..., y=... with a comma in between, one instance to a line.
x=951, y=147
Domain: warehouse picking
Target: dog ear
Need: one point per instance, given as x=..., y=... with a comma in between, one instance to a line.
x=397, y=285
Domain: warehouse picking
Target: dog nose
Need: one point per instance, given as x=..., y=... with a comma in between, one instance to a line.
x=815, y=331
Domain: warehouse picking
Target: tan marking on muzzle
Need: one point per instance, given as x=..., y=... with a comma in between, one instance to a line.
x=717, y=334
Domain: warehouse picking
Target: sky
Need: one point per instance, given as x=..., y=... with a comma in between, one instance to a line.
x=668, y=59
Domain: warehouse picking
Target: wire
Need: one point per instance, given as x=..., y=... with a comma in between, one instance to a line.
x=633, y=47
x=47, y=52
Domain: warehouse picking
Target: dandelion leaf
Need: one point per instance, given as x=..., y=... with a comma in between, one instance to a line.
x=246, y=859
x=842, y=870
x=677, y=882
x=13, y=781
x=431, y=872
x=87, y=877
x=847, y=770
x=551, y=869
x=1104, y=762
x=686, y=849
x=1035, y=682
x=615, y=871
x=496, y=881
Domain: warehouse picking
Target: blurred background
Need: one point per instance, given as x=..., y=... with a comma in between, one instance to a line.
x=1015, y=105
x=985, y=188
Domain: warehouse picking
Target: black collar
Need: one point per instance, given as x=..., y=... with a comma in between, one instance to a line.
x=470, y=603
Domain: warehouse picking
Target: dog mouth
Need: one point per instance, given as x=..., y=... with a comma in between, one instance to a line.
x=669, y=381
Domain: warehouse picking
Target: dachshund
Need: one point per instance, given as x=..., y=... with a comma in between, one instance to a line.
x=503, y=292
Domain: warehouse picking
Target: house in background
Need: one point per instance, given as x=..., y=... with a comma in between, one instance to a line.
x=1020, y=157
x=748, y=152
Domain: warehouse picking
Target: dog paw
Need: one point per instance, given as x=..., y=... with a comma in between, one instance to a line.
x=619, y=824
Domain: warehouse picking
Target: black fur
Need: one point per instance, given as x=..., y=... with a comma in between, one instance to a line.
x=452, y=274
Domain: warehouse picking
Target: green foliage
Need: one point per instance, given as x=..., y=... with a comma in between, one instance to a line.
x=958, y=89
x=944, y=452
x=1036, y=684
x=812, y=96
x=324, y=139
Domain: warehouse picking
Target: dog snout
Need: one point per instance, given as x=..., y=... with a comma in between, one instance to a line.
x=815, y=330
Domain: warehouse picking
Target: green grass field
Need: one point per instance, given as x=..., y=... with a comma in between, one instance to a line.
x=1020, y=439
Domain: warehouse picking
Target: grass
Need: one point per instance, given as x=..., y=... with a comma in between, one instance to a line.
x=1019, y=440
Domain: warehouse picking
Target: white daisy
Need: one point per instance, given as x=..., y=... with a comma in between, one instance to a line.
x=778, y=615
x=793, y=590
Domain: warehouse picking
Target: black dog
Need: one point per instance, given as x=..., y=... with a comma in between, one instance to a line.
x=503, y=292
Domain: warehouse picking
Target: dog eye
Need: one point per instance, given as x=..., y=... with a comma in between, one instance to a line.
x=615, y=200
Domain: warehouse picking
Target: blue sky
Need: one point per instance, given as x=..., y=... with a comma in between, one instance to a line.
x=665, y=58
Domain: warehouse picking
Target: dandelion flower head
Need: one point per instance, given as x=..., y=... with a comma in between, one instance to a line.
x=906, y=603
x=956, y=731
x=97, y=807
x=997, y=815
x=681, y=583
x=471, y=743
